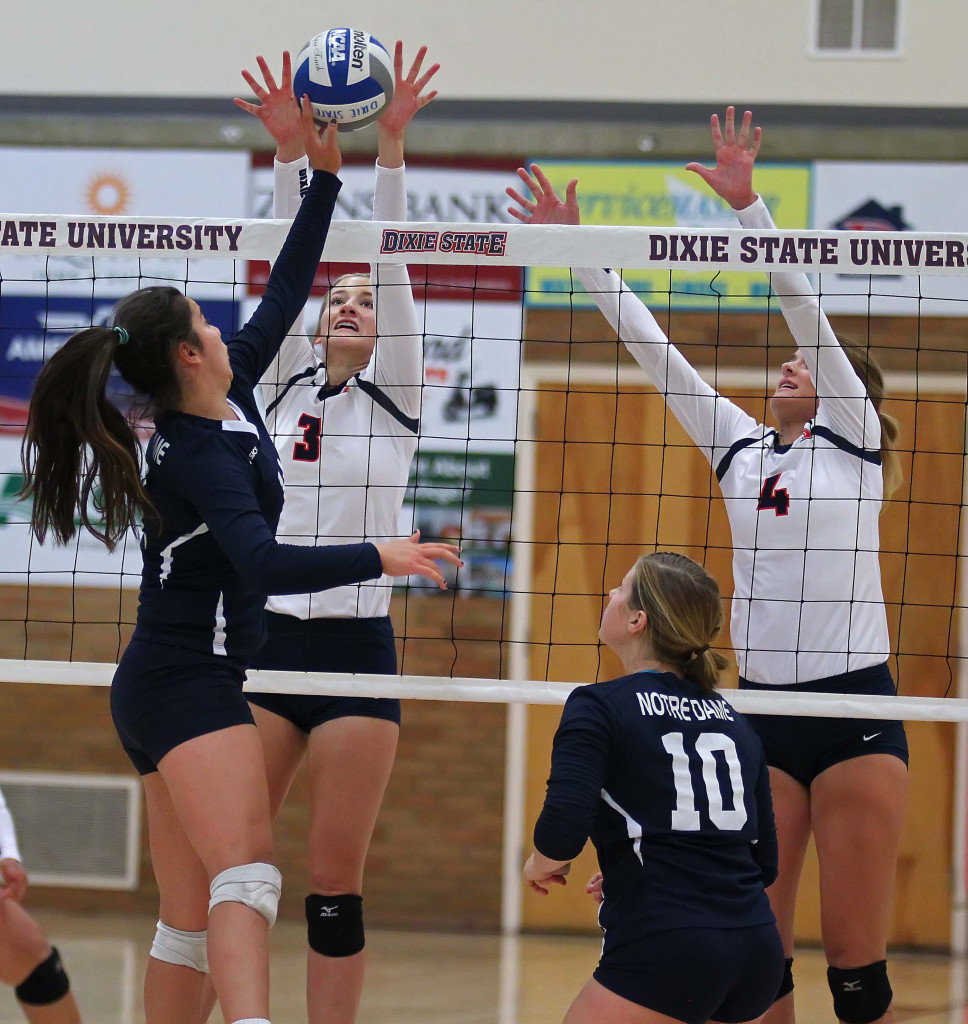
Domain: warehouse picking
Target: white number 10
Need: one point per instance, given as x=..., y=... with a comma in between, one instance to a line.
x=685, y=817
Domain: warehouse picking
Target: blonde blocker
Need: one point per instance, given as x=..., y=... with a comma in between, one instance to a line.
x=868, y=370
x=684, y=610
x=80, y=453
x=338, y=283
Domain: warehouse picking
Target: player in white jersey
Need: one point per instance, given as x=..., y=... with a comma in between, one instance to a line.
x=803, y=501
x=342, y=402
x=28, y=962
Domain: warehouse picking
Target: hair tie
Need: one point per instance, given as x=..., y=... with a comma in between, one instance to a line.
x=698, y=651
x=122, y=334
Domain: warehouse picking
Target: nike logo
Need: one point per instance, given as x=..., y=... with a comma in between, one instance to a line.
x=873, y=735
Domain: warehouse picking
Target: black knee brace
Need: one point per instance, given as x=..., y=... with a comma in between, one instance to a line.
x=861, y=994
x=335, y=924
x=786, y=985
x=45, y=984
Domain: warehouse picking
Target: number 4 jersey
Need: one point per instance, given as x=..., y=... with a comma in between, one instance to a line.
x=672, y=788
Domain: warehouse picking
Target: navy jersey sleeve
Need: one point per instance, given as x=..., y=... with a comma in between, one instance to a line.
x=765, y=850
x=255, y=346
x=219, y=486
x=579, y=760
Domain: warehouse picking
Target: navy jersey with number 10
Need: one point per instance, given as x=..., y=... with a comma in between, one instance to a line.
x=672, y=788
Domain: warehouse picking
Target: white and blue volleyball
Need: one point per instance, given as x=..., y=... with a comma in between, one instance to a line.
x=348, y=76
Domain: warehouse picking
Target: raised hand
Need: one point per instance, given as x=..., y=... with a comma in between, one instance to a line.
x=277, y=108
x=408, y=91
x=411, y=558
x=732, y=177
x=547, y=207
x=322, y=144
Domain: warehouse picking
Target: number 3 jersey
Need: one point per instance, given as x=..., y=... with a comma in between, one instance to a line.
x=807, y=599
x=672, y=787
x=346, y=450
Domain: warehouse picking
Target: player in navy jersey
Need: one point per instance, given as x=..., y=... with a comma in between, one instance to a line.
x=343, y=406
x=210, y=505
x=28, y=962
x=672, y=787
x=803, y=501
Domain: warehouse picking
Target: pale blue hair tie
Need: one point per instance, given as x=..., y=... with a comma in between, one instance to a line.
x=122, y=335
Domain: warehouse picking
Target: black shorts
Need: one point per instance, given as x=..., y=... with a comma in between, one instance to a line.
x=698, y=974
x=327, y=645
x=804, y=747
x=162, y=696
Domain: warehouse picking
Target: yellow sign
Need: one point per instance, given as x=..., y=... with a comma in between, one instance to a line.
x=667, y=195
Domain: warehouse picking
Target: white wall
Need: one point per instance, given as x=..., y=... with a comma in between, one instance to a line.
x=638, y=50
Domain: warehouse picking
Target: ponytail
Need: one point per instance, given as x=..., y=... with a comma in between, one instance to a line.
x=684, y=613
x=869, y=371
x=76, y=438
x=80, y=453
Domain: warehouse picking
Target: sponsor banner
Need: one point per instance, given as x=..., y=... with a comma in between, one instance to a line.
x=447, y=195
x=114, y=184
x=892, y=197
x=668, y=196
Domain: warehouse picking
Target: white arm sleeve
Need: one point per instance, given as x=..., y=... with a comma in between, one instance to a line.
x=8, y=834
x=296, y=354
x=713, y=422
x=844, y=405
x=397, y=365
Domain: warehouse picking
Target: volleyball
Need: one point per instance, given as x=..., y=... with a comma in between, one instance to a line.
x=348, y=76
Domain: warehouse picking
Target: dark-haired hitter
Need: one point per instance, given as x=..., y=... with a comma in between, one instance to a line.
x=211, y=502
x=672, y=787
x=803, y=500
x=28, y=962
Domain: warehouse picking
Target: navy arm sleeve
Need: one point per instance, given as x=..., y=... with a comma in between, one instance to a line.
x=765, y=850
x=579, y=759
x=255, y=346
x=224, y=498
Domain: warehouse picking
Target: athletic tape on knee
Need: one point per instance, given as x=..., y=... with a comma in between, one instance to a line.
x=185, y=949
x=45, y=984
x=786, y=985
x=257, y=885
x=861, y=994
x=335, y=924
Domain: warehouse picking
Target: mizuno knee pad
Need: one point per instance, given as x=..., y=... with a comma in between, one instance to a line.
x=45, y=984
x=258, y=886
x=861, y=994
x=185, y=949
x=335, y=924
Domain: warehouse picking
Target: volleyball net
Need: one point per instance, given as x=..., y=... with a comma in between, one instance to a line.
x=546, y=453
x=542, y=448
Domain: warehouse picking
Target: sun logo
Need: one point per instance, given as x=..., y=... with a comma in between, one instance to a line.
x=108, y=194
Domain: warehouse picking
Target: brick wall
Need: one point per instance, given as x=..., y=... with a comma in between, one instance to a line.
x=436, y=853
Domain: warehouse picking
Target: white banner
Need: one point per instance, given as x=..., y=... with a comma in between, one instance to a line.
x=516, y=245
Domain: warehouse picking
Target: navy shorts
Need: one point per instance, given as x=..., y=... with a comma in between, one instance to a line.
x=804, y=747
x=698, y=974
x=327, y=645
x=162, y=696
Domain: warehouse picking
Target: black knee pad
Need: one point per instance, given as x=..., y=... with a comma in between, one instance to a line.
x=335, y=924
x=45, y=984
x=786, y=985
x=861, y=994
